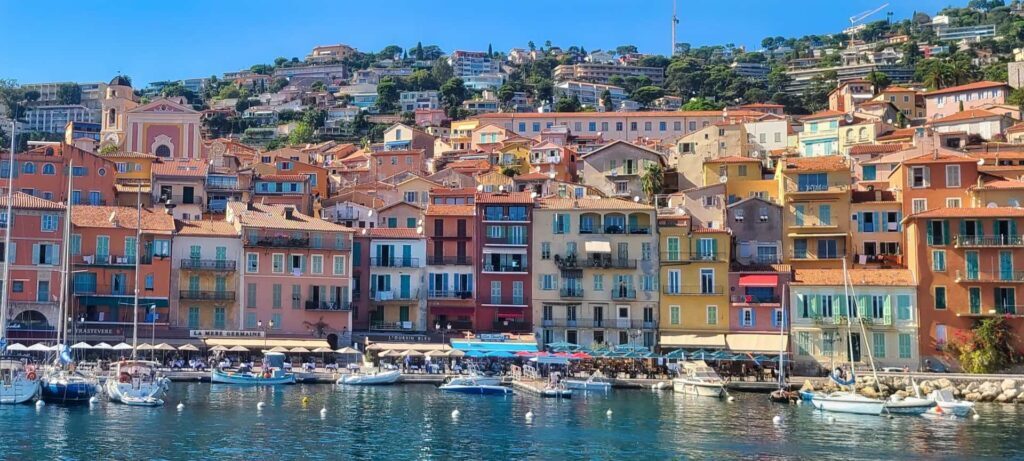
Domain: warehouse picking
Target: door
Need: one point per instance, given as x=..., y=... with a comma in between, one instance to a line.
x=102, y=247
x=406, y=255
x=972, y=265
x=118, y=284
x=188, y=195
x=855, y=346
x=405, y=282
x=403, y=314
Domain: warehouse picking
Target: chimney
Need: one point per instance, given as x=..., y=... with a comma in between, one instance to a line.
x=289, y=212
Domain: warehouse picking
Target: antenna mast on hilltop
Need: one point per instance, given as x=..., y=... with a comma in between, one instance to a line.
x=675, y=21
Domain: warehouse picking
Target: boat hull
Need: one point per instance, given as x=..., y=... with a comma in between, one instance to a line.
x=19, y=390
x=483, y=389
x=909, y=406
x=848, y=403
x=220, y=377
x=68, y=391
x=684, y=386
x=471, y=380
x=587, y=385
x=376, y=379
x=136, y=394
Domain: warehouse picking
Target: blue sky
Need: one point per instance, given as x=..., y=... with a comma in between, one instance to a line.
x=92, y=40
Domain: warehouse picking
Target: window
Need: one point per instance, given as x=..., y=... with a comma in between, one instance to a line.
x=250, y=298
x=903, y=308
x=50, y=170
x=647, y=282
x=707, y=282
x=673, y=315
x=549, y=282
x=878, y=345
x=712, y=315
x=276, y=296
x=952, y=176
x=28, y=168
x=919, y=177
x=252, y=262
x=277, y=263
x=747, y=317
x=919, y=205
x=825, y=302
x=803, y=343
x=339, y=265
x=940, y=298
x=905, y=351
x=149, y=282
x=545, y=250
x=193, y=317
x=48, y=223
x=952, y=203
x=738, y=215
x=316, y=263
x=18, y=286
x=598, y=282
x=645, y=251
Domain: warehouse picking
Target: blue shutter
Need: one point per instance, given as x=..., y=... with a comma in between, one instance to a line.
x=753, y=317
x=877, y=222
x=860, y=222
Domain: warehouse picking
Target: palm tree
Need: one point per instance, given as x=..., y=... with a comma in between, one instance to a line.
x=319, y=327
x=652, y=181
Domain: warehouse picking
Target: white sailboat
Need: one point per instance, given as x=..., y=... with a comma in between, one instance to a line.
x=136, y=382
x=18, y=382
x=849, y=401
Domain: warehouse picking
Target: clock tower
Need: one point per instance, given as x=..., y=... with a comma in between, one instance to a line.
x=118, y=100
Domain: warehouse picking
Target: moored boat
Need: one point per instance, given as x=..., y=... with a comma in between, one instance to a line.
x=908, y=405
x=68, y=387
x=475, y=388
x=946, y=403
x=848, y=402
x=272, y=374
x=18, y=382
x=368, y=379
x=592, y=383
x=137, y=383
x=699, y=379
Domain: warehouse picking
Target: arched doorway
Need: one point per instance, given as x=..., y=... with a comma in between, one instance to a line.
x=332, y=341
x=31, y=320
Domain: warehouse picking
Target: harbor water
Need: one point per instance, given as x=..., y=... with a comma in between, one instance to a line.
x=415, y=421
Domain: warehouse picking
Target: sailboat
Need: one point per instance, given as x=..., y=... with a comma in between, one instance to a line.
x=62, y=382
x=783, y=394
x=18, y=382
x=136, y=382
x=849, y=401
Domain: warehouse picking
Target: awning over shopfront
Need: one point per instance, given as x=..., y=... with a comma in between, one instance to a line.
x=693, y=341
x=418, y=347
x=260, y=343
x=493, y=346
x=598, y=247
x=750, y=342
x=124, y=302
x=833, y=234
x=759, y=280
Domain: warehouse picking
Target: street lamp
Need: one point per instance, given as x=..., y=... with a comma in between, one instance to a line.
x=437, y=326
x=270, y=326
x=152, y=324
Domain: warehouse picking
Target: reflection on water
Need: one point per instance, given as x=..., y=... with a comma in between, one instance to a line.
x=415, y=422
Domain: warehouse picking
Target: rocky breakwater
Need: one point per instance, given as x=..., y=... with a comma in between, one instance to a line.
x=1006, y=390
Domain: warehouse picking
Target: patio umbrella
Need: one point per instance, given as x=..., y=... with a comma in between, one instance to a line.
x=525, y=354
x=104, y=346
x=81, y=346
x=455, y=353
x=435, y=353
x=39, y=347
x=347, y=350
x=720, y=355
x=323, y=350
x=117, y=347
x=563, y=345
x=388, y=353
x=218, y=349
x=474, y=353
x=677, y=354
x=299, y=350
x=499, y=354
x=189, y=347
x=17, y=347
x=238, y=349
x=580, y=355
x=145, y=347
x=278, y=349
x=164, y=347
x=412, y=353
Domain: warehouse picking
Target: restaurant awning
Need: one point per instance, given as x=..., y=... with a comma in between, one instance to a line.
x=691, y=340
x=598, y=247
x=259, y=343
x=494, y=346
x=759, y=280
x=420, y=347
x=750, y=342
x=832, y=234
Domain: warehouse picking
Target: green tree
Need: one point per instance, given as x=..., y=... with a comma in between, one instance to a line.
x=565, y=104
x=390, y=52
x=32, y=95
x=701, y=104
x=988, y=348
x=387, y=95
x=69, y=94
x=262, y=69
x=652, y=181
x=441, y=71
x=531, y=45
x=625, y=49
x=108, y=149
x=879, y=80
x=176, y=89
x=911, y=53
x=418, y=51
x=606, y=101
x=647, y=94
x=421, y=80
x=453, y=93
x=506, y=93
x=278, y=84
x=654, y=60
x=229, y=92
x=1016, y=97
x=280, y=61
x=301, y=134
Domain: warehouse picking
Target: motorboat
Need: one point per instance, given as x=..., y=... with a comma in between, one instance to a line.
x=908, y=405
x=68, y=386
x=272, y=373
x=557, y=391
x=18, y=382
x=699, y=379
x=368, y=379
x=848, y=402
x=473, y=378
x=592, y=383
x=946, y=403
x=465, y=385
x=137, y=383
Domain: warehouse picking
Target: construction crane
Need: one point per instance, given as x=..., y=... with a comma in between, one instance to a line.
x=675, y=22
x=862, y=16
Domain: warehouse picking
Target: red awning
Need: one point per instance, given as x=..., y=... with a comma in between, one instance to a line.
x=759, y=280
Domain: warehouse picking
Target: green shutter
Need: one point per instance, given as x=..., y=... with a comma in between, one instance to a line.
x=863, y=302
x=887, y=310
x=714, y=248
x=945, y=232
x=963, y=227
x=931, y=236
x=838, y=311
x=1013, y=228
x=814, y=306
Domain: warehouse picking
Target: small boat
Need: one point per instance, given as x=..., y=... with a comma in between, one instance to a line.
x=18, y=382
x=806, y=396
x=590, y=384
x=848, y=402
x=473, y=377
x=784, y=396
x=273, y=373
x=947, y=404
x=699, y=379
x=464, y=387
x=136, y=383
x=557, y=392
x=908, y=405
x=68, y=386
x=368, y=379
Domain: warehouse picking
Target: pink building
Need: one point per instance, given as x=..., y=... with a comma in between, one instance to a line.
x=34, y=256
x=948, y=101
x=430, y=117
x=296, y=272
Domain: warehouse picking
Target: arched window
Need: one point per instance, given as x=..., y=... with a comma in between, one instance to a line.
x=163, y=151
x=49, y=169
x=111, y=116
x=28, y=168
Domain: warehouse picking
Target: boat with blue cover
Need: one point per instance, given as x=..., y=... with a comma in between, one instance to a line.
x=272, y=373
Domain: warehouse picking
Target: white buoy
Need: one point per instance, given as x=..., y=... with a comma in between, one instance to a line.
x=777, y=419
x=259, y=406
x=608, y=413
x=799, y=402
x=323, y=411
x=181, y=406
x=455, y=413
x=529, y=415
x=976, y=416
x=40, y=404
x=831, y=419
x=731, y=399
x=93, y=400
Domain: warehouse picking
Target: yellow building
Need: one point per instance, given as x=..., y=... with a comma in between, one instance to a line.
x=513, y=154
x=134, y=171
x=815, y=197
x=694, y=307
x=743, y=178
x=858, y=131
x=462, y=134
x=493, y=180
x=204, y=293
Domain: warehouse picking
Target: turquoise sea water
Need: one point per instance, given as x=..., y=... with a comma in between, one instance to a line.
x=414, y=422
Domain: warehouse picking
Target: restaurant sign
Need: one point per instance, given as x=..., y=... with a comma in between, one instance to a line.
x=226, y=333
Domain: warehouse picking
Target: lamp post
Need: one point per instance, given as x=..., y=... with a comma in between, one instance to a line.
x=437, y=326
x=270, y=326
x=152, y=325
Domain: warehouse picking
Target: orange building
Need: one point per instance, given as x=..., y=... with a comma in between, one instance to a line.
x=34, y=257
x=386, y=164
x=43, y=172
x=450, y=268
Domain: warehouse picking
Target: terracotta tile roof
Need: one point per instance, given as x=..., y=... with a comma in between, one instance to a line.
x=874, y=103
x=897, y=134
x=968, y=87
x=444, y=191
x=265, y=216
x=531, y=176
x=281, y=177
x=761, y=105
x=1015, y=128
x=823, y=114
x=504, y=197
x=941, y=157
x=546, y=145
x=555, y=203
x=997, y=212
x=653, y=113
x=1002, y=184
x=450, y=210
x=734, y=159
x=897, y=89
x=124, y=217
x=392, y=233
x=182, y=169
x=708, y=230
x=968, y=114
x=858, y=277
x=828, y=163
x=116, y=155
x=21, y=200
x=860, y=149
x=470, y=164
x=205, y=228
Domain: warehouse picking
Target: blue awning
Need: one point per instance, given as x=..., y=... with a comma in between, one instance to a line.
x=488, y=346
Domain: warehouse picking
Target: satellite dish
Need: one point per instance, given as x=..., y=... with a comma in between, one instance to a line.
x=480, y=187
x=113, y=217
x=723, y=179
x=419, y=230
x=981, y=161
x=636, y=199
x=992, y=205
x=533, y=194
x=364, y=231
x=369, y=213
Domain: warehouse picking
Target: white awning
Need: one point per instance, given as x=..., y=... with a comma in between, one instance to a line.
x=598, y=247
x=749, y=342
x=707, y=340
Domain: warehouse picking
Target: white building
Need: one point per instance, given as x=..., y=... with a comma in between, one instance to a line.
x=588, y=93
x=397, y=300
x=766, y=134
x=53, y=119
x=484, y=81
x=469, y=63
x=411, y=101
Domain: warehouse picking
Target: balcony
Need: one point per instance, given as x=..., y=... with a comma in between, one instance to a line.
x=506, y=240
x=394, y=295
x=684, y=256
x=208, y=265
x=622, y=172
x=609, y=263
x=394, y=262
x=830, y=188
x=391, y=326
x=814, y=222
x=183, y=200
x=994, y=311
x=754, y=301
x=449, y=294
x=223, y=186
x=511, y=326
x=503, y=268
x=996, y=241
x=335, y=306
x=347, y=214
x=693, y=290
x=624, y=294
x=81, y=288
x=807, y=256
x=449, y=261
x=506, y=300
x=990, y=277
x=564, y=323
x=279, y=242
x=571, y=292
x=509, y=218
x=615, y=229
x=110, y=260
x=203, y=295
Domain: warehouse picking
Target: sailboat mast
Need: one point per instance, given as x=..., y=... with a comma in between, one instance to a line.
x=138, y=240
x=65, y=265
x=864, y=333
x=850, y=302
x=782, y=343
x=4, y=301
